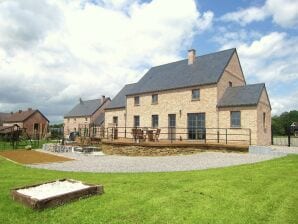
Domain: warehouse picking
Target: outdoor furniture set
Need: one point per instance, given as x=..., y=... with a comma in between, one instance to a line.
x=145, y=134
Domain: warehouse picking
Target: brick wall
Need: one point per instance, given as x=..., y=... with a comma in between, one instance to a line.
x=36, y=118
x=72, y=123
x=264, y=130
x=177, y=102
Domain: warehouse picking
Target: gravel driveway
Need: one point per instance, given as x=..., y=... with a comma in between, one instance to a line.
x=111, y=164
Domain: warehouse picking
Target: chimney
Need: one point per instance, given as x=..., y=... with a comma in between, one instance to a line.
x=103, y=97
x=191, y=56
x=20, y=111
x=29, y=108
x=81, y=101
x=11, y=113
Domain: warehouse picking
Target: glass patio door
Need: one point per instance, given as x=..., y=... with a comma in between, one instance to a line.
x=172, y=126
x=196, y=126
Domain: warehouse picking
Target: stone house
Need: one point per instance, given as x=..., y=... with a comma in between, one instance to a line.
x=32, y=121
x=203, y=97
x=86, y=117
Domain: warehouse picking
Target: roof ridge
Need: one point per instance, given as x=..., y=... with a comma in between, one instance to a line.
x=216, y=52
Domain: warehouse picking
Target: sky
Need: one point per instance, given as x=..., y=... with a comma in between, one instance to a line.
x=53, y=52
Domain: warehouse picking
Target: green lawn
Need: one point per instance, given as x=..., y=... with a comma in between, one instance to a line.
x=266, y=192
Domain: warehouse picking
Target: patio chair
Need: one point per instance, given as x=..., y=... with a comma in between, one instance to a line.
x=156, y=135
x=134, y=134
x=141, y=135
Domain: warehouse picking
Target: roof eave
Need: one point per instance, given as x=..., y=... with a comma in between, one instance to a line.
x=238, y=105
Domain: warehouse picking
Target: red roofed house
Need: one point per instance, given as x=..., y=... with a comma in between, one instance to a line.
x=33, y=121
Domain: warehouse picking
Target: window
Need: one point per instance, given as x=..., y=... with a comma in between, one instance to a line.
x=67, y=119
x=86, y=119
x=235, y=119
x=136, y=121
x=154, y=98
x=75, y=129
x=230, y=84
x=264, y=120
x=115, y=120
x=195, y=95
x=154, y=121
x=196, y=126
x=137, y=100
x=74, y=119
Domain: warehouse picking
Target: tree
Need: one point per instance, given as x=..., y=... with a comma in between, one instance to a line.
x=282, y=122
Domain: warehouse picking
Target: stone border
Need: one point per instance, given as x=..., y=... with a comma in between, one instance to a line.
x=55, y=200
x=165, y=149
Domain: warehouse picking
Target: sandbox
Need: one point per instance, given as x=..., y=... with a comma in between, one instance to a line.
x=54, y=193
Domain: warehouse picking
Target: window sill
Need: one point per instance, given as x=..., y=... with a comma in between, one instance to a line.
x=236, y=127
x=195, y=99
x=136, y=105
x=154, y=103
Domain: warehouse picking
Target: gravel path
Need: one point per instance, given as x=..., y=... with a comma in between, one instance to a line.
x=111, y=164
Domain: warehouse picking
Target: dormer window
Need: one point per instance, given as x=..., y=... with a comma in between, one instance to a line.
x=154, y=98
x=137, y=100
x=195, y=94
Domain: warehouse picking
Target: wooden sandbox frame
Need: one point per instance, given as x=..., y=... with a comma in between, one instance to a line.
x=55, y=200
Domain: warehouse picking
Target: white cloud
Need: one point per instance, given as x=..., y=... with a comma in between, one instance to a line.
x=272, y=59
x=286, y=103
x=246, y=16
x=57, y=51
x=283, y=13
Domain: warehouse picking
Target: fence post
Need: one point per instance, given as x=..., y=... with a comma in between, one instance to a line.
x=289, y=139
x=217, y=136
x=249, y=136
x=226, y=136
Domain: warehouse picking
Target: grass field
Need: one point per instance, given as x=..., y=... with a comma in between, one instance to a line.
x=265, y=192
x=6, y=145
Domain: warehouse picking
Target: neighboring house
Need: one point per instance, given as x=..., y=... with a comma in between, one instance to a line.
x=85, y=115
x=32, y=121
x=205, y=92
x=2, y=117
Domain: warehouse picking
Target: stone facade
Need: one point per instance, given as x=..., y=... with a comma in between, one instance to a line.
x=217, y=120
x=147, y=150
x=77, y=123
x=71, y=124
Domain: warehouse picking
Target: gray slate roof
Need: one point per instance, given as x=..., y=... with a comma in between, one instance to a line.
x=100, y=119
x=86, y=108
x=207, y=69
x=119, y=101
x=248, y=95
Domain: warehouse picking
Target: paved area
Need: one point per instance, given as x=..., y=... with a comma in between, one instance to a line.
x=110, y=164
x=273, y=150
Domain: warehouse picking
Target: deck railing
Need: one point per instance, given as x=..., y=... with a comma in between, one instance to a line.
x=178, y=134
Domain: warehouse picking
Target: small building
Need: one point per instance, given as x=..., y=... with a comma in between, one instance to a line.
x=33, y=122
x=294, y=127
x=86, y=117
x=202, y=97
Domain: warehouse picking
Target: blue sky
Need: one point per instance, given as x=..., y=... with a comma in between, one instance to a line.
x=52, y=52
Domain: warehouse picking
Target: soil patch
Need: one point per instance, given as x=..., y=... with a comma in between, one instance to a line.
x=32, y=157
